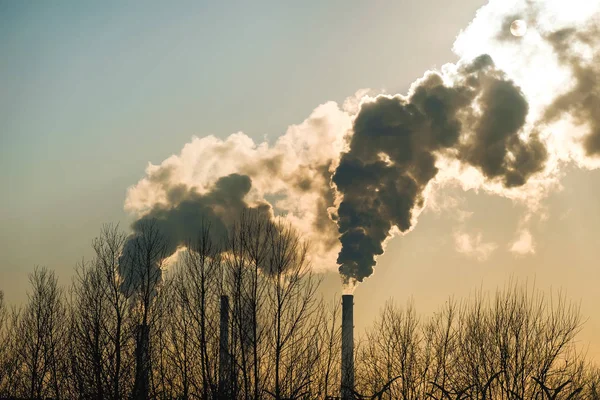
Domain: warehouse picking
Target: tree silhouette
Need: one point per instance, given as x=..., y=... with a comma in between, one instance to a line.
x=156, y=333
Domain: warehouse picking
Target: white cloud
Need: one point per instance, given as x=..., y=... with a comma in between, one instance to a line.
x=292, y=173
x=524, y=244
x=472, y=245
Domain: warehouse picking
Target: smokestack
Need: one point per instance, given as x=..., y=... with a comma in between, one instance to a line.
x=347, y=384
x=224, y=371
x=141, y=386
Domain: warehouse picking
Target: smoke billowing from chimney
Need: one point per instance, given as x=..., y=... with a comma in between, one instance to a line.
x=166, y=227
x=347, y=365
x=505, y=119
x=476, y=117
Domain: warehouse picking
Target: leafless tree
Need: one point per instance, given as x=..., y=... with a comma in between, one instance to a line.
x=89, y=336
x=108, y=249
x=41, y=335
x=203, y=271
x=248, y=249
x=392, y=352
x=12, y=379
x=516, y=345
x=191, y=296
x=101, y=334
x=4, y=346
x=327, y=375
x=142, y=262
x=294, y=308
x=513, y=345
x=158, y=336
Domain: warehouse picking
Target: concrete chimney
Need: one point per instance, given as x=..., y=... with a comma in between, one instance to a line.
x=347, y=384
x=141, y=385
x=224, y=359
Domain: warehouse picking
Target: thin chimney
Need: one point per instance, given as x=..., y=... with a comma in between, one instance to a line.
x=224, y=359
x=347, y=384
x=141, y=386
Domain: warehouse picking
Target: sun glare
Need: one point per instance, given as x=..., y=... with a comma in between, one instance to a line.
x=518, y=28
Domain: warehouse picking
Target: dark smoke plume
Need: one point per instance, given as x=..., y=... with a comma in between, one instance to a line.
x=361, y=171
x=582, y=102
x=396, y=143
x=160, y=232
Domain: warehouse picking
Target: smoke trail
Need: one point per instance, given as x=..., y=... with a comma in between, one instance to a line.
x=504, y=119
x=161, y=231
x=476, y=117
x=582, y=101
x=214, y=181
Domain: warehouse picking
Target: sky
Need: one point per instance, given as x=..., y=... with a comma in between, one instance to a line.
x=90, y=94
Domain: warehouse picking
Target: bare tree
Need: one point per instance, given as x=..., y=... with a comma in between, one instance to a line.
x=176, y=354
x=4, y=346
x=108, y=249
x=516, y=345
x=147, y=336
x=142, y=263
x=512, y=346
x=101, y=334
x=248, y=249
x=12, y=379
x=89, y=336
x=203, y=270
x=293, y=306
x=392, y=353
x=328, y=365
x=439, y=349
x=41, y=337
x=195, y=288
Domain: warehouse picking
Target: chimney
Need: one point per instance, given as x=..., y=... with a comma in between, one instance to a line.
x=141, y=386
x=347, y=384
x=224, y=359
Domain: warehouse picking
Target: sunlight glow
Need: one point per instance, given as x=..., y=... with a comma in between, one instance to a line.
x=518, y=28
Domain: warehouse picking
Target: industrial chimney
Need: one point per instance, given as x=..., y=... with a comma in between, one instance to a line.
x=141, y=385
x=224, y=359
x=347, y=384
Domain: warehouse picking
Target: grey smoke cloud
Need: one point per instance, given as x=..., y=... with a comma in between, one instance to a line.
x=292, y=176
x=582, y=102
x=347, y=178
x=396, y=143
x=495, y=146
x=577, y=48
x=180, y=220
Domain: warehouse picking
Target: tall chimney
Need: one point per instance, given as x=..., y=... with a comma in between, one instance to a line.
x=224, y=359
x=141, y=385
x=347, y=385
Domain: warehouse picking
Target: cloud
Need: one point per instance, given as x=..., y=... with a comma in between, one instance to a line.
x=292, y=176
x=506, y=119
x=472, y=245
x=473, y=114
x=524, y=244
x=168, y=226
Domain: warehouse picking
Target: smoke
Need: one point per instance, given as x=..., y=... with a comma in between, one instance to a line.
x=582, y=100
x=165, y=228
x=213, y=181
x=505, y=119
x=474, y=115
x=473, y=245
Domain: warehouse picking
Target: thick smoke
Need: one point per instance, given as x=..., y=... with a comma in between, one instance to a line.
x=477, y=117
x=165, y=228
x=582, y=101
x=214, y=180
x=505, y=119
